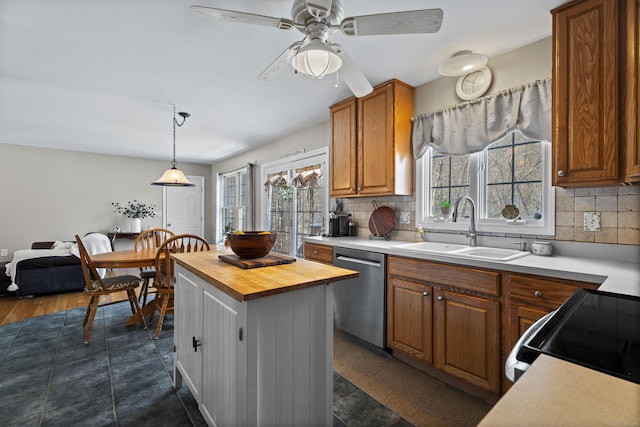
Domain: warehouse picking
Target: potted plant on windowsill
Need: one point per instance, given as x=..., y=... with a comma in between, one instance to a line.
x=446, y=209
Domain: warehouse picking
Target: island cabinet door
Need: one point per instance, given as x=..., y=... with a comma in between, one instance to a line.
x=188, y=334
x=224, y=400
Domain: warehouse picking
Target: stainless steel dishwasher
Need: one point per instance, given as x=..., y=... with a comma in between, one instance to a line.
x=359, y=303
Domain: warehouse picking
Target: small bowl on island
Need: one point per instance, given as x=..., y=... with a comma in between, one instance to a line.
x=252, y=244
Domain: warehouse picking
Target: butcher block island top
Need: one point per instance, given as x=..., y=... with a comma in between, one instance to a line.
x=248, y=284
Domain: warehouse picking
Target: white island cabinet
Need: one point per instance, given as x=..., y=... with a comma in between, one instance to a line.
x=255, y=347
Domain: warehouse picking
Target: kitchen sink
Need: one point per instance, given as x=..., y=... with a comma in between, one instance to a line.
x=462, y=251
x=430, y=247
x=493, y=254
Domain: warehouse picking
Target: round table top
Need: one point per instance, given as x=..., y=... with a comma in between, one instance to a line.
x=130, y=258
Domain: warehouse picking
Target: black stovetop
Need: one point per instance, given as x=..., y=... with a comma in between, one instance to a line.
x=599, y=330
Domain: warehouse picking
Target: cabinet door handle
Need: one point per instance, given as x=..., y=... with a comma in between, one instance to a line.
x=196, y=343
x=440, y=298
x=359, y=188
x=425, y=293
x=315, y=252
x=561, y=173
x=537, y=294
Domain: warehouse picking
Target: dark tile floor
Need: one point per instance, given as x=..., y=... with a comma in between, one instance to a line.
x=122, y=378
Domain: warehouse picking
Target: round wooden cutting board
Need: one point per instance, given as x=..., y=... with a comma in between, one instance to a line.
x=382, y=221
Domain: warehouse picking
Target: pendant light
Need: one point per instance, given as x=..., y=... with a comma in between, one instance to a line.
x=174, y=177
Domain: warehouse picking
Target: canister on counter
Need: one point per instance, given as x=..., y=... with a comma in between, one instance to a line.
x=352, y=228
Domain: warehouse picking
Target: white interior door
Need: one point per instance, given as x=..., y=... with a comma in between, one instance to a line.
x=184, y=208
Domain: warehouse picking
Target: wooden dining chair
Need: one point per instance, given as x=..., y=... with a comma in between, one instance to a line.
x=165, y=276
x=96, y=286
x=150, y=239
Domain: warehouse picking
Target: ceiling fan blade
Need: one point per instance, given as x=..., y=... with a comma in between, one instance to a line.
x=277, y=63
x=319, y=9
x=242, y=17
x=409, y=22
x=351, y=74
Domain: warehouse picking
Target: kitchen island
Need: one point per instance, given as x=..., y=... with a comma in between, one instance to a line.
x=255, y=346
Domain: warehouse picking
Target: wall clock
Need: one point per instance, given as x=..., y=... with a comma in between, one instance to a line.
x=473, y=85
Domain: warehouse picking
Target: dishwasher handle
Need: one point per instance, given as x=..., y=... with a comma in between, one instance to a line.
x=358, y=261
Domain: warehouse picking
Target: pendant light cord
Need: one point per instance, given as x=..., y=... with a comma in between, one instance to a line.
x=175, y=123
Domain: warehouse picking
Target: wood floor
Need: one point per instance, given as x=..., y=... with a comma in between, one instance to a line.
x=13, y=309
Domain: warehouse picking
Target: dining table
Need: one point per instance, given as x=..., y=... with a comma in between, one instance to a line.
x=129, y=258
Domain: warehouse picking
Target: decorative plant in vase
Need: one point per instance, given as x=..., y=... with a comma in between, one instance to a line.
x=136, y=211
x=446, y=208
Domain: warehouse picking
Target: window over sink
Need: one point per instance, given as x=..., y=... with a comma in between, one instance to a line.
x=512, y=172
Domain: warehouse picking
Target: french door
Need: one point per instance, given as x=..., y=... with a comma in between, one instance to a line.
x=295, y=200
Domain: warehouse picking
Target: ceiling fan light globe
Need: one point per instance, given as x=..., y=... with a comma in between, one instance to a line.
x=316, y=60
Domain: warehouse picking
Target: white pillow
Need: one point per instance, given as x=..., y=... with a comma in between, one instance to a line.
x=62, y=245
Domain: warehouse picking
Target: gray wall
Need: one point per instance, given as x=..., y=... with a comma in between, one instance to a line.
x=309, y=139
x=55, y=194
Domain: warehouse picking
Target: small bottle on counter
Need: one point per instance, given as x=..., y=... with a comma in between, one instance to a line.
x=420, y=237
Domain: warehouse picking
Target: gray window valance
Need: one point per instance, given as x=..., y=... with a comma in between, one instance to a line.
x=472, y=126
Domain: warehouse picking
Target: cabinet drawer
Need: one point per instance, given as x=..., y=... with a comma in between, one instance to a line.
x=541, y=291
x=466, y=278
x=320, y=253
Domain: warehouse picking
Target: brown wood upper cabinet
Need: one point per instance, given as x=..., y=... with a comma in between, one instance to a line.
x=594, y=100
x=371, y=143
x=631, y=89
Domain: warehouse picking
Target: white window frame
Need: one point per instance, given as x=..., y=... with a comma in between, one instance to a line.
x=240, y=207
x=477, y=189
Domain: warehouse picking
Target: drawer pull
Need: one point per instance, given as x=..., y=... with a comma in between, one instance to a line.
x=425, y=293
x=315, y=252
x=538, y=294
x=440, y=298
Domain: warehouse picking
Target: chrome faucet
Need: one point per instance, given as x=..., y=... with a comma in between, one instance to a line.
x=472, y=229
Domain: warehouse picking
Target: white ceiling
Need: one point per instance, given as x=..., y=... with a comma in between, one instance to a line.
x=101, y=76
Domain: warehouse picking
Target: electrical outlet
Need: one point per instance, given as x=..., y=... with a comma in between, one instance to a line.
x=592, y=221
x=4, y=252
x=405, y=217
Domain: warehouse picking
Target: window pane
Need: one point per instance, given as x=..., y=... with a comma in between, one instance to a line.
x=460, y=170
x=528, y=162
x=499, y=170
x=440, y=172
x=497, y=197
x=230, y=191
x=528, y=199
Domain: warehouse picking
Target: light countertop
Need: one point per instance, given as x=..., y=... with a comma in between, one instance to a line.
x=612, y=276
x=553, y=392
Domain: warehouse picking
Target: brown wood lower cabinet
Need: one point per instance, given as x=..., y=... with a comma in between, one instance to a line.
x=409, y=318
x=467, y=338
x=529, y=298
x=440, y=314
x=319, y=253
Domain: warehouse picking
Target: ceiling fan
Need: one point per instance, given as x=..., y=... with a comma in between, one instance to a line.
x=315, y=55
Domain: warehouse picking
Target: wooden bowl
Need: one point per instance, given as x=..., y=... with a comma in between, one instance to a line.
x=252, y=244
